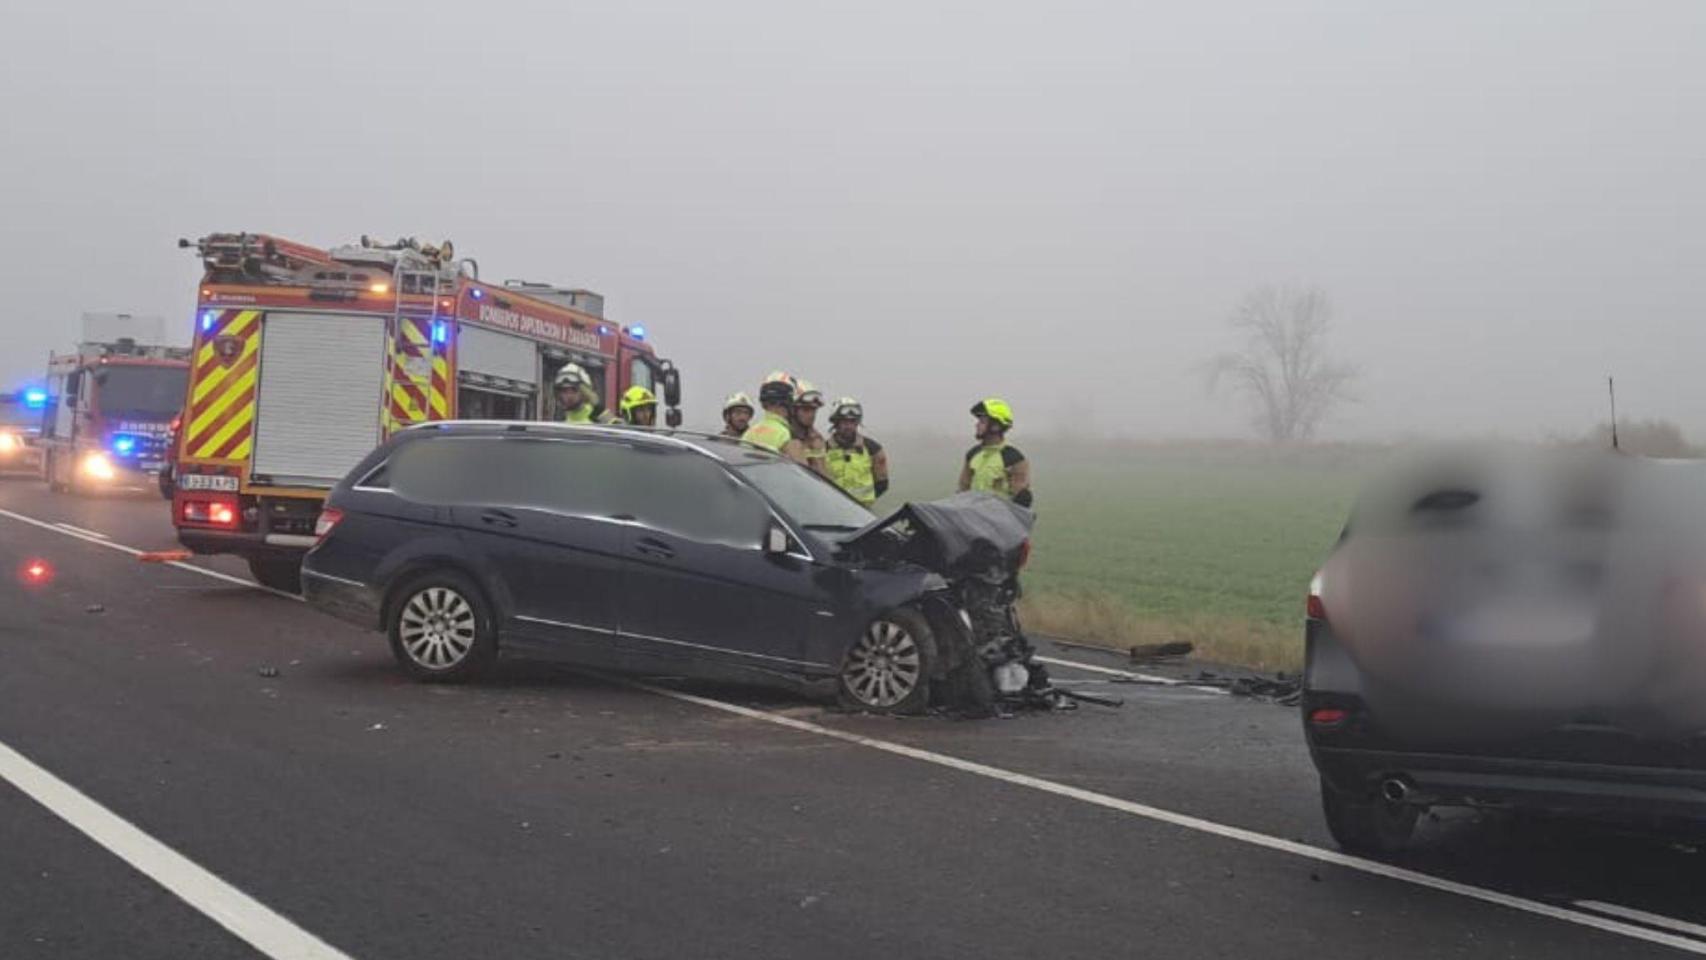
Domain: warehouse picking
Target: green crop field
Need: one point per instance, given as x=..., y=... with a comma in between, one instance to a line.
x=1214, y=544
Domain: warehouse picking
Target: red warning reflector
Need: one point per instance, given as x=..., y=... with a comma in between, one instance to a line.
x=35, y=572
x=1328, y=717
x=164, y=556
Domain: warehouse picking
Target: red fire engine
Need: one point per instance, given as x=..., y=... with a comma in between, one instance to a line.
x=305, y=359
x=108, y=403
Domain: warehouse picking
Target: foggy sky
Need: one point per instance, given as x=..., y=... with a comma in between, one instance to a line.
x=922, y=203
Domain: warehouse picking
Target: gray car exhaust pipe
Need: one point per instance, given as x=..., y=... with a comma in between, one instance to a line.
x=1395, y=789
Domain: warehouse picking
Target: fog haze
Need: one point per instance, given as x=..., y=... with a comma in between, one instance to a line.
x=928, y=202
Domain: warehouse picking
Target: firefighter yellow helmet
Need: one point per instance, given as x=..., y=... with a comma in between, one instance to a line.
x=634, y=398
x=996, y=409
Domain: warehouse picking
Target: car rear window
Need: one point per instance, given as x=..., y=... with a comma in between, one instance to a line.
x=586, y=478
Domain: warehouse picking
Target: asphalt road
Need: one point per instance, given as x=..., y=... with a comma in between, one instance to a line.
x=550, y=814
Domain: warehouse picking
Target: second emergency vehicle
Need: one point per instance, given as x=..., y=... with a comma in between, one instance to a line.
x=305, y=359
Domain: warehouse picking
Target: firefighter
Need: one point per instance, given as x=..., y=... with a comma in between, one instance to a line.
x=857, y=464
x=994, y=465
x=773, y=430
x=576, y=397
x=639, y=407
x=737, y=415
x=808, y=400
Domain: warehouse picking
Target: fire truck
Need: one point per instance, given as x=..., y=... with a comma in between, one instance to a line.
x=306, y=358
x=109, y=403
x=20, y=429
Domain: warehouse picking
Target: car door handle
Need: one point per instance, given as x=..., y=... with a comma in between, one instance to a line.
x=653, y=547
x=497, y=518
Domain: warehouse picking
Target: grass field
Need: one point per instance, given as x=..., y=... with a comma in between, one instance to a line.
x=1214, y=544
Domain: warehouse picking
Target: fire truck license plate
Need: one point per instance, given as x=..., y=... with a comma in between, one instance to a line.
x=202, y=481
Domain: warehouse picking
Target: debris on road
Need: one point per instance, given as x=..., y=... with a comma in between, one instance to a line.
x=268, y=671
x=1283, y=689
x=94, y=608
x=164, y=556
x=1139, y=653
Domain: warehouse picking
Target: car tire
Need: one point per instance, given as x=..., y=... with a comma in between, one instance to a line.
x=1368, y=823
x=441, y=627
x=888, y=668
x=166, y=482
x=277, y=573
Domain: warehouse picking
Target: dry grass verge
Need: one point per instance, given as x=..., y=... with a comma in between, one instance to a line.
x=1101, y=619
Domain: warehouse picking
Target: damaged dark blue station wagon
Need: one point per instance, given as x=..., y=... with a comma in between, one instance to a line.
x=668, y=553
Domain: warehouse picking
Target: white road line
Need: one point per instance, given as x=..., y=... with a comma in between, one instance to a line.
x=1642, y=916
x=90, y=533
x=247, y=918
x=1145, y=677
x=101, y=540
x=1303, y=850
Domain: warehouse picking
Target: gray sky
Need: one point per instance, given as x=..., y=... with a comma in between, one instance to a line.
x=924, y=202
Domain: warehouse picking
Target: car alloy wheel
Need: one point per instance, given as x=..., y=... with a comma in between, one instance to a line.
x=885, y=666
x=437, y=628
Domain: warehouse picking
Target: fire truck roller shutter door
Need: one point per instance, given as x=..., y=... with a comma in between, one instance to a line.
x=321, y=383
x=496, y=355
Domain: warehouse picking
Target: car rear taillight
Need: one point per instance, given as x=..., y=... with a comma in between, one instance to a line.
x=1314, y=609
x=217, y=513
x=329, y=518
x=1328, y=716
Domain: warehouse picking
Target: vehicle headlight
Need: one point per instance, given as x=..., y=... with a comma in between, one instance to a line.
x=97, y=465
x=8, y=442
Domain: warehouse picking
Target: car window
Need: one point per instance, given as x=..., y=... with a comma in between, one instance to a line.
x=806, y=499
x=694, y=497
x=578, y=477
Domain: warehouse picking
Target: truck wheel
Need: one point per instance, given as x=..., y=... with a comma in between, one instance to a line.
x=166, y=482
x=280, y=573
x=441, y=628
x=1368, y=824
x=888, y=669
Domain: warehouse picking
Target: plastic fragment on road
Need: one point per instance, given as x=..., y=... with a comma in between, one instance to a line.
x=164, y=556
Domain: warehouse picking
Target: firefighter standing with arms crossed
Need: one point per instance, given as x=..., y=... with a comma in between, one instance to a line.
x=994, y=466
x=857, y=464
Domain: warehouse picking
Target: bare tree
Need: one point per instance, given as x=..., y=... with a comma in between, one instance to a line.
x=1282, y=369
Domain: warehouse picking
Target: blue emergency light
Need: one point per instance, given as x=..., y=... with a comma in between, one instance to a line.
x=637, y=332
x=477, y=293
x=124, y=444
x=440, y=331
x=207, y=321
x=35, y=399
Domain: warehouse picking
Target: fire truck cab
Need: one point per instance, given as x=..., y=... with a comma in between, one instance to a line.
x=108, y=405
x=305, y=359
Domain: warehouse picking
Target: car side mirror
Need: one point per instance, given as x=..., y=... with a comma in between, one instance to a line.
x=775, y=541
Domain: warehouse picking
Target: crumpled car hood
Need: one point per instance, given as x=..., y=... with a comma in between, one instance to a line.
x=966, y=531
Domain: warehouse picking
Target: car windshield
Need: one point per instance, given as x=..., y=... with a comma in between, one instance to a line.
x=807, y=500
x=142, y=390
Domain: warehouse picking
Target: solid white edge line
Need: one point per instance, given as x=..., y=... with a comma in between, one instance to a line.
x=1112, y=672
x=1145, y=811
x=1251, y=837
x=1642, y=916
x=75, y=529
x=100, y=540
x=245, y=917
